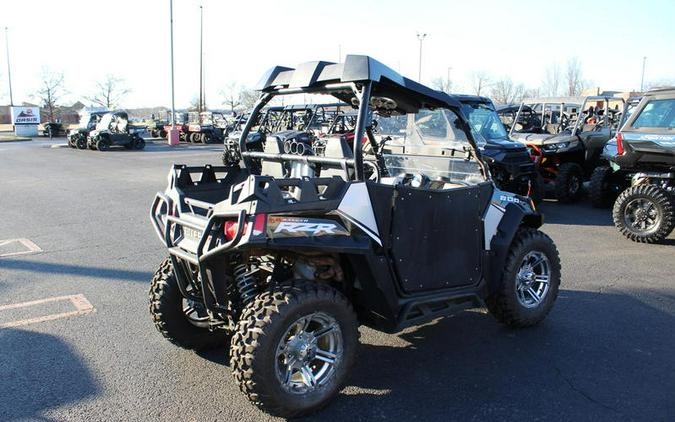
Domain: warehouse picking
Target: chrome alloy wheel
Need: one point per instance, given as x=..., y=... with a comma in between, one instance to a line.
x=533, y=279
x=641, y=215
x=309, y=353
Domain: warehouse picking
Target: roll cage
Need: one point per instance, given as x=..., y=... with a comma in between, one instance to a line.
x=366, y=84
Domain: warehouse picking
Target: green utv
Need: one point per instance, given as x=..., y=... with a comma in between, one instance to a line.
x=282, y=265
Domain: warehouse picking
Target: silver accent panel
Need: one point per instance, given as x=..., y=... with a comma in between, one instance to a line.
x=491, y=221
x=356, y=207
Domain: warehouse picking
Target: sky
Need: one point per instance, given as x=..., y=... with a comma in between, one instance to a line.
x=86, y=40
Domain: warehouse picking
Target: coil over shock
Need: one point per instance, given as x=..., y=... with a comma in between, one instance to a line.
x=246, y=282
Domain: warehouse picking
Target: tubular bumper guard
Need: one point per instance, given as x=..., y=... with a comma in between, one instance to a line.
x=165, y=224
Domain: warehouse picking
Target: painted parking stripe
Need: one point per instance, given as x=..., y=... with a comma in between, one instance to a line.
x=26, y=243
x=80, y=303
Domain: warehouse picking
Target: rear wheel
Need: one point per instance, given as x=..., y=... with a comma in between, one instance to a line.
x=103, y=144
x=568, y=183
x=530, y=280
x=644, y=213
x=182, y=322
x=603, y=188
x=294, y=347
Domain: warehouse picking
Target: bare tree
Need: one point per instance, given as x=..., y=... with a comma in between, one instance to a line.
x=194, y=104
x=552, y=80
x=109, y=92
x=50, y=92
x=248, y=98
x=480, y=81
x=573, y=77
x=504, y=91
x=442, y=84
x=232, y=94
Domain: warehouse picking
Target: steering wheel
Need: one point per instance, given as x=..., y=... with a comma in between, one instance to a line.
x=371, y=171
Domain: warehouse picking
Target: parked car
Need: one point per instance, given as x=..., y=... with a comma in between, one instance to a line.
x=113, y=129
x=284, y=264
x=645, y=211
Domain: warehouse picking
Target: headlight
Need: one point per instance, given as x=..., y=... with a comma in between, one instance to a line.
x=555, y=147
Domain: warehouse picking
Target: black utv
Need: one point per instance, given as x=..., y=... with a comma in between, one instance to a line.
x=645, y=211
x=77, y=138
x=285, y=264
x=113, y=129
x=569, y=145
x=509, y=161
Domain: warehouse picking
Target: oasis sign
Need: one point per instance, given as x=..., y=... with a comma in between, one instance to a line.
x=25, y=116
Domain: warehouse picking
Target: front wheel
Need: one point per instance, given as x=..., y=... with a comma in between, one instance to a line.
x=294, y=347
x=530, y=280
x=644, y=213
x=139, y=143
x=182, y=322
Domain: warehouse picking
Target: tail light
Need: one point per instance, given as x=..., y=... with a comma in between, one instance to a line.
x=231, y=227
x=619, y=143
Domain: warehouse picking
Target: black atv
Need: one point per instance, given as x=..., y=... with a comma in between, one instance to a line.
x=53, y=129
x=113, y=129
x=509, y=161
x=645, y=211
x=285, y=265
x=568, y=149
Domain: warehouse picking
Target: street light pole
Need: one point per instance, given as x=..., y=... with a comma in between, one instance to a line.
x=420, y=37
x=201, y=65
x=448, y=81
x=9, y=73
x=642, y=79
x=173, y=133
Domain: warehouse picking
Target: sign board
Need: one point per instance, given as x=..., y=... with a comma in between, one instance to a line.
x=25, y=116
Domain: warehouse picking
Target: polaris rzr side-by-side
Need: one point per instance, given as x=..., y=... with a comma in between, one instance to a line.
x=284, y=263
x=645, y=211
x=568, y=149
x=113, y=129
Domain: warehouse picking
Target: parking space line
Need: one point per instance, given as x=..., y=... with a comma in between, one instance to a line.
x=27, y=243
x=80, y=303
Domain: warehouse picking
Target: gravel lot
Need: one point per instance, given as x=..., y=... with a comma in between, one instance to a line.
x=606, y=352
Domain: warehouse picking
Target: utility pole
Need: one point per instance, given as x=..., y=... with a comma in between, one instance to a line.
x=420, y=37
x=173, y=135
x=201, y=58
x=642, y=80
x=9, y=72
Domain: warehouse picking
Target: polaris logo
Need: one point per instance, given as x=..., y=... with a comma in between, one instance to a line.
x=313, y=228
x=281, y=226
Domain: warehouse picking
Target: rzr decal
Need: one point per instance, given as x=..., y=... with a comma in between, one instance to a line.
x=278, y=226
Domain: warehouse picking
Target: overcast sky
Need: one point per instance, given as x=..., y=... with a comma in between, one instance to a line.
x=87, y=39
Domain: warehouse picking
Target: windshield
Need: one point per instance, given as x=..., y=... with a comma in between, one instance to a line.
x=657, y=114
x=484, y=121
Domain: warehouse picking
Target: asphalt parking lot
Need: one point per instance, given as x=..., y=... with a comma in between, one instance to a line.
x=606, y=352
